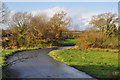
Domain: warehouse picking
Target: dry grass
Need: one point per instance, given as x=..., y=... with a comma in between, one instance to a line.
x=99, y=49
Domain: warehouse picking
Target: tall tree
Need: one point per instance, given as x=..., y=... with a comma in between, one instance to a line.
x=3, y=12
x=106, y=22
x=19, y=26
x=38, y=31
x=38, y=25
x=58, y=23
x=3, y=17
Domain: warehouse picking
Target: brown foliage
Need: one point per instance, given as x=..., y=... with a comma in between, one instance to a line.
x=59, y=23
x=31, y=31
x=90, y=40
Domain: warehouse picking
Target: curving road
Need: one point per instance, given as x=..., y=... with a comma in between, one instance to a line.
x=38, y=64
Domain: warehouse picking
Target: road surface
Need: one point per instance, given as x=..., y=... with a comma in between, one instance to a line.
x=38, y=64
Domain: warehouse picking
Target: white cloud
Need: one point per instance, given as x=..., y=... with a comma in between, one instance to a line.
x=49, y=12
x=78, y=16
x=84, y=20
x=75, y=14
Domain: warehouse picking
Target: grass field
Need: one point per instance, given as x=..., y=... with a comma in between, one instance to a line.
x=99, y=64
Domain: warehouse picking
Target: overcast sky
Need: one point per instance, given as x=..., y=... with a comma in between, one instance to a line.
x=80, y=12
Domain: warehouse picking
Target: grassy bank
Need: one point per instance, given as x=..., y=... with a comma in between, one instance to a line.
x=99, y=64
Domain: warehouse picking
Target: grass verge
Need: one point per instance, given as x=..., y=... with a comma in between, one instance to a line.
x=99, y=64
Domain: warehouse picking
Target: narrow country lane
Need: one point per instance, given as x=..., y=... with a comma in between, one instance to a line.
x=38, y=64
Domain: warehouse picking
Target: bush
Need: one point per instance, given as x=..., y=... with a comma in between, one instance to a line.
x=90, y=39
x=111, y=42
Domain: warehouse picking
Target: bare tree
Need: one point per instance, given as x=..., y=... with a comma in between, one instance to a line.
x=3, y=17
x=37, y=26
x=19, y=27
x=106, y=22
x=3, y=12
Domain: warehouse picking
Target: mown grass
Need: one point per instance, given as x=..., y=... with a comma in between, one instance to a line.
x=99, y=64
x=67, y=42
